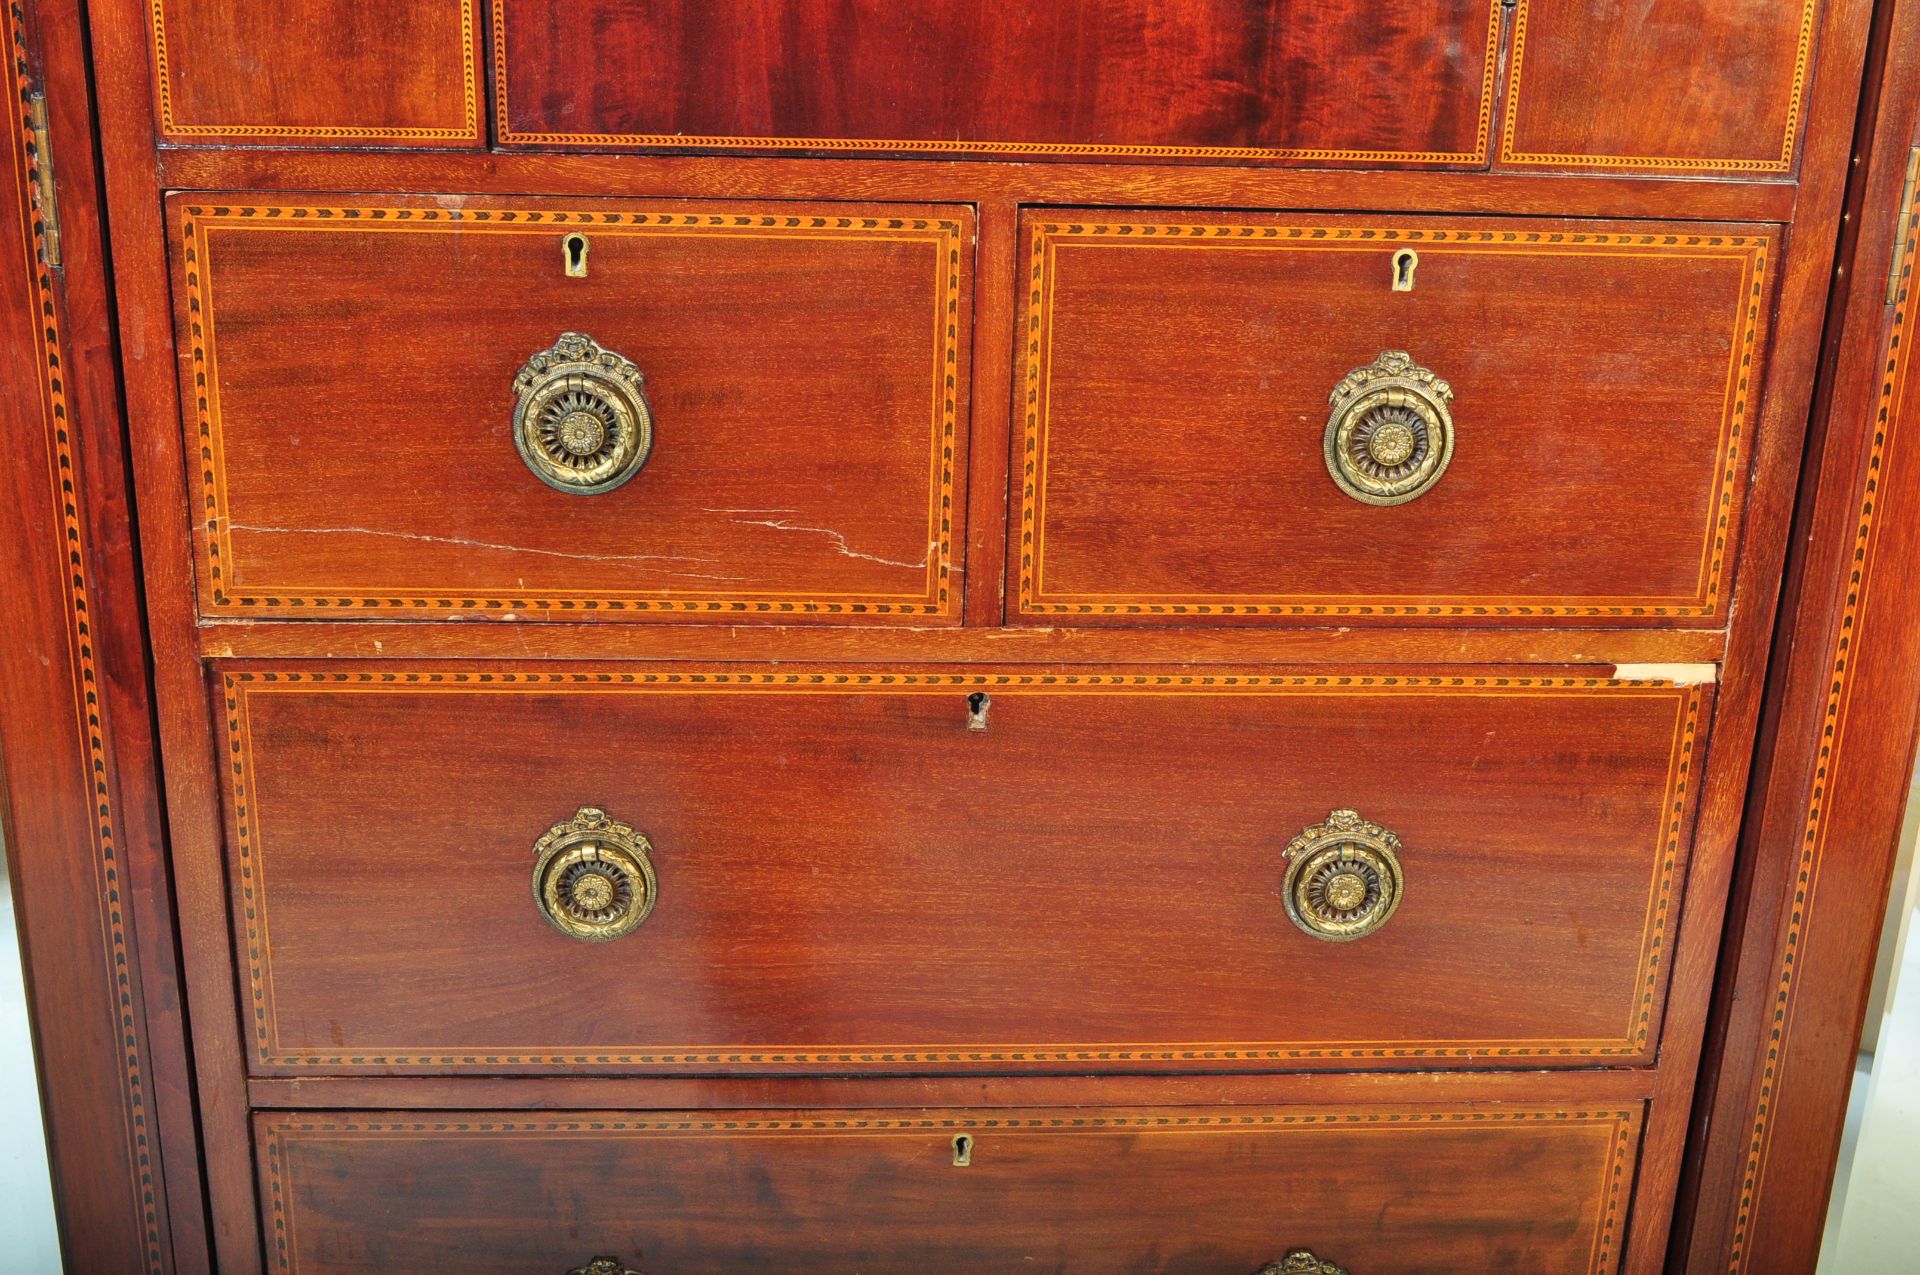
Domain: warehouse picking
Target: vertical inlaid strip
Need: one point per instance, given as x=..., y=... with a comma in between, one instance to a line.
x=1833, y=740
x=112, y=889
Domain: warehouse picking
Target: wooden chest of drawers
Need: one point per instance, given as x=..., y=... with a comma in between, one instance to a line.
x=968, y=637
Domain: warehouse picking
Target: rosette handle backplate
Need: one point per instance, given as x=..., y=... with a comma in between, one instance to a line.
x=593, y=876
x=1301, y=1262
x=1343, y=878
x=582, y=423
x=1390, y=435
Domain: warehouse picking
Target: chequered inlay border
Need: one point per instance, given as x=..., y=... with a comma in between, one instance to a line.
x=118, y=955
x=1636, y=1033
x=1751, y=251
x=220, y=592
x=504, y=130
x=282, y=1133
x=1511, y=154
x=1889, y=422
x=171, y=127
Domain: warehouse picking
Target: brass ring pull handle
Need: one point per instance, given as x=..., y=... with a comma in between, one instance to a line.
x=1343, y=878
x=582, y=423
x=1390, y=436
x=605, y=1266
x=592, y=878
x=1299, y=1262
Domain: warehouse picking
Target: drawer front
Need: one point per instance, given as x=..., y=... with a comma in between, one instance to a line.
x=1684, y=86
x=1180, y=1191
x=763, y=420
x=1339, y=81
x=836, y=870
x=1564, y=432
x=232, y=72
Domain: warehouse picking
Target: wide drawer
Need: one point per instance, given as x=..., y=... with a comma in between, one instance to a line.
x=1354, y=81
x=1529, y=420
x=1176, y=1191
x=762, y=417
x=841, y=872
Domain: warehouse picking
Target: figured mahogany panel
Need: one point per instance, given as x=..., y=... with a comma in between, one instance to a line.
x=317, y=72
x=1707, y=86
x=1079, y=1191
x=353, y=371
x=850, y=877
x=1177, y=373
x=1322, y=81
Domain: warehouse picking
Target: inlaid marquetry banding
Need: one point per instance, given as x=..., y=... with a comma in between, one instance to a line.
x=223, y=592
x=1790, y=129
x=508, y=136
x=1888, y=432
x=282, y=1132
x=173, y=127
x=107, y=860
x=1752, y=252
x=1634, y=1040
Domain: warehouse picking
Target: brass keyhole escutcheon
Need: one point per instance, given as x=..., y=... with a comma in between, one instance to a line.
x=1390, y=435
x=573, y=254
x=582, y=423
x=1405, y=262
x=1343, y=878
x=593, y=878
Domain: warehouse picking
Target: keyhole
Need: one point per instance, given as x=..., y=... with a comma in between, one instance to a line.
x=962, y=1151
x=977, y=705
x=1405, y=262
x=573, y=249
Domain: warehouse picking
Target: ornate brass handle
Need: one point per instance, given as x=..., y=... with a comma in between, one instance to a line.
x=1343, y=878
x=614, y=1266
x=1390, y=436
x=592, y=878
x=1300, y=1262
x=582, y=423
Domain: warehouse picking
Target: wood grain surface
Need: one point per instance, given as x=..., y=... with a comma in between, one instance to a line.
x=317, y=72
x=1178, y=370
x=805, y=367
x=1701, y=86
x=405, y=805
x=1403, y=82
x=850, y=877
x=1080, y=1190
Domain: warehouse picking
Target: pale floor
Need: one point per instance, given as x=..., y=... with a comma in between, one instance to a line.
x=1875, y=1216
x=27, y=1243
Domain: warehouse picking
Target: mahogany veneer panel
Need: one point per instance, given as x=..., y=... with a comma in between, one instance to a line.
x=353, y=371
x=850, y=878
x=1177, y=370
x=1400, y=82
x=1082, y=1191
x=1711, y=86
x=317, y=72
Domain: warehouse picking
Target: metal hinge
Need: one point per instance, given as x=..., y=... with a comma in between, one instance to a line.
x=1903, y=227
x=43, y=181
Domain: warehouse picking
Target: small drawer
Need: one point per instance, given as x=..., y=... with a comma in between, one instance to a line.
x=404, y=407
x=1080, y=1191
x=684, y=869
x=1351, y=82
x=1698, y=87
x=403, y=73
x=1245, y=418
